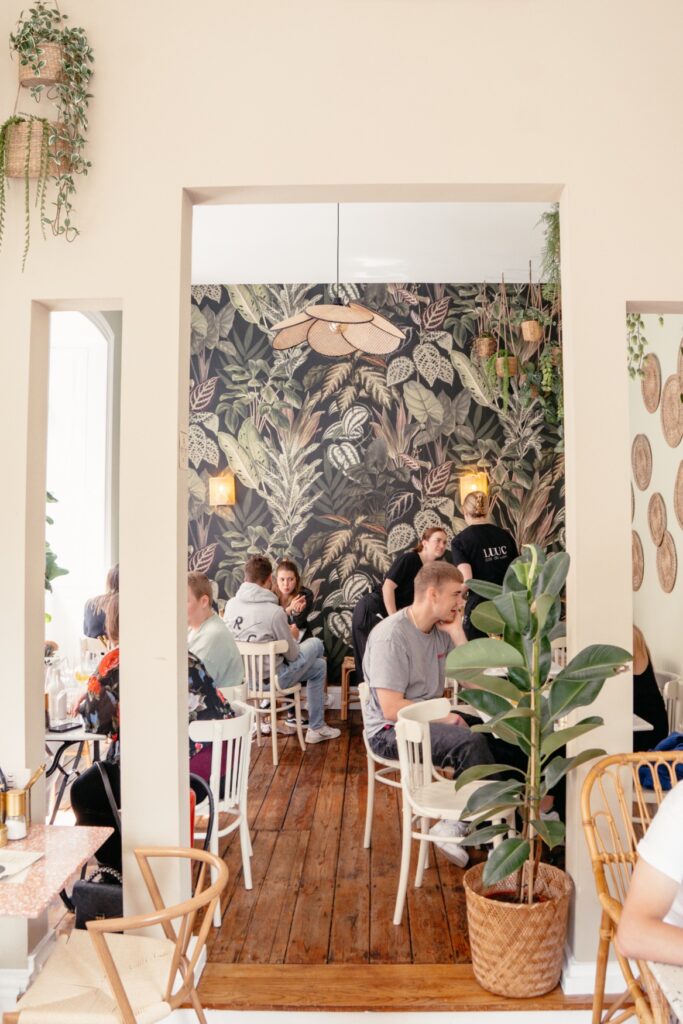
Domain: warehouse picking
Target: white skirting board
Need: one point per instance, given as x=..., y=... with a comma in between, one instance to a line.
x=578, y=977
x=15, y=981
x=272, y=1017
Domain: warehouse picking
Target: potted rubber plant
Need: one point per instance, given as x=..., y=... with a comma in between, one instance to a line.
x=517, y=905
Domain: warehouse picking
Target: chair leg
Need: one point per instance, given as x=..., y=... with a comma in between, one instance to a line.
x=194, y=998
x=273, y=725
x=370, y=804
x=245, y=843
x=423, y=856
x=213, y=846
x=601, y=967
x=405, y=863
x=344, y=694
x=297, y=715
x=259, y=738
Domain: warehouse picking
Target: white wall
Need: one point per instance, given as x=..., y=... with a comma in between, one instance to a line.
x=659, y=614
x=76, y=473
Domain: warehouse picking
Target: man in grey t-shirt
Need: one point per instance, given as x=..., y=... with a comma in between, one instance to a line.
x=405, y=662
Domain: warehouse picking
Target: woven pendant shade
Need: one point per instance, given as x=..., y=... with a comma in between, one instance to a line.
x=335, y=330
x=327, y=342
x=337, y=314
x=293, y=331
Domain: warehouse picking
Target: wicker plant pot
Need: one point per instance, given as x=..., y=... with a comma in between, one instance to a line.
x=512, y=367
x=532, y=331
x=30, y=134
x=50, y=73
x=483, y=347
x=517, y=950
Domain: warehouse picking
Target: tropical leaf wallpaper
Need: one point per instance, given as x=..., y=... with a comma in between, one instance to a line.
x=342, y=462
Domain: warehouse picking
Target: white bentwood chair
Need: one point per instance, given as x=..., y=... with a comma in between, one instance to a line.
x=425, y=797
x=380, y=769
x=234, y=736
x=672, y=692
x=262, y=683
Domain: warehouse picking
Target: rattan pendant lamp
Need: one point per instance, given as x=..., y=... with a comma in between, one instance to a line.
x=336, y=329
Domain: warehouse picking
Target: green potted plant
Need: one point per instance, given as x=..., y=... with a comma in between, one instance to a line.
x=25, y=153
x=484, y=344
x=517, y=906
x=42, y=32
x=52, y=569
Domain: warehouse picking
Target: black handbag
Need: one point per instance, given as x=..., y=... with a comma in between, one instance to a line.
x=93, y=899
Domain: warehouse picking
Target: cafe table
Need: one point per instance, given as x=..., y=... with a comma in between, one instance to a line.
x=669, y=977
x=65, y=849
x=63, y=740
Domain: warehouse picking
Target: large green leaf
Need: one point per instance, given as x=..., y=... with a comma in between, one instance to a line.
x=472, y=379
x=422, y=405
x=487, y=618
x=560, y=737
x=596, y=662
x=484, y=589
x=542, y=607
x=246, y=299
x=483, y=835
x=481, y=771
x=560, y=766
x=513, y=608
x=567, y=694
x=488, y=703
x=482, y=654
x=239, y=460
x=551, y=832
x=492, y=684
x=491, y=794
x=553, y=574
x=505, y=860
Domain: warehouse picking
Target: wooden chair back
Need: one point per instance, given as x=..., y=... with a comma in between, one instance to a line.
x=414, y=742
x=260, y=665
x=616, y=811
x=232, y=735
x=201, y=904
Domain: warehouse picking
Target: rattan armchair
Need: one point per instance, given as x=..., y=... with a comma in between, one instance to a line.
x=616, y=811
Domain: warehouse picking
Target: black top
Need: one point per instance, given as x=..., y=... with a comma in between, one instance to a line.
x=403, y=572
x=489, y=550
x=301, y=620
x=648, y=703
x=94, y=620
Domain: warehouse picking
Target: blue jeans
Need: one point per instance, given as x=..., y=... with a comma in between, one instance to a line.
x=312, y=667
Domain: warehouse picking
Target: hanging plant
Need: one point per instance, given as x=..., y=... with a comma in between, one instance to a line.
x=25, y=153
x=636, y=344
x=55, y=59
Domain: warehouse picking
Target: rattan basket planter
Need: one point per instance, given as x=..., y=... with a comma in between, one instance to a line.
x=484, y=346
x=518, y=950
x=29, y=134
x=51, y=71
x=512, y=366
x=532, y=331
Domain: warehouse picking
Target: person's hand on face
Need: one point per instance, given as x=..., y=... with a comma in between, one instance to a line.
x=450, y=605
x=297, y=605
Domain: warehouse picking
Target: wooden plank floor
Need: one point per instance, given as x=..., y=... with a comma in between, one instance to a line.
x=316, y=930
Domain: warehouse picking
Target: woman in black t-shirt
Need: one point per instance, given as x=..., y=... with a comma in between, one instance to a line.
x=648, y=702
x=482, y=551
x=396, y=592
x=296, y=599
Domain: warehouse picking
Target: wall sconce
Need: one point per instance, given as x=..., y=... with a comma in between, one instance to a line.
x=473, y=480
x=222, y=489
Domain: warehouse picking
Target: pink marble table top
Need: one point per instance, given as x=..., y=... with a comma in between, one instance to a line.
x=65, y=849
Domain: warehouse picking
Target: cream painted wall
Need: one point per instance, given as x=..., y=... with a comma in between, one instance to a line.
x=441, y=99
x=659, y=614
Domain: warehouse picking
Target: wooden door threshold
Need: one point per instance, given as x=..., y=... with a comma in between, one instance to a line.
x=350, y=987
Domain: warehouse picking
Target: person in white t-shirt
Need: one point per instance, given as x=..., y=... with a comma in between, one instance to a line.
x=651, y=926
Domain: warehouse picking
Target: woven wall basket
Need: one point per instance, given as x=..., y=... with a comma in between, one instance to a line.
x=637, y=561
x=680, y=360
x=641, y=461
x=17, y=141
x=672, y=411
x=678, y=495
x=633, y=503
x=512, y=366
x=651, y=384
x=656, y=518
x=667, y=563
x=51, y=72
x=517, y=950
x=483, y=347
x=532, y=331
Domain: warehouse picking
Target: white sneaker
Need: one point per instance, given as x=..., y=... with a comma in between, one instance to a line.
x=265, y=729
x=453, y=829
x=285, y=728
x=326, y=732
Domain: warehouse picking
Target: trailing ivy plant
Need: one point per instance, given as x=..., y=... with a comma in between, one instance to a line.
x=44, y=23
x=636, y=344
x=52, y=569
x=41, y=180
x=526, y=708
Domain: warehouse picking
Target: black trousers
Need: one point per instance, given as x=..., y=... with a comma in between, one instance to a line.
x=368, y=612
x=91, y=807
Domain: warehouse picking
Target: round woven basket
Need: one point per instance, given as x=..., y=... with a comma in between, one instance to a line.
x=641, y=461
x=512, y=366
x=656, y=518
x=637, y=561
x=678, y=495
x=672, y=411
x=667, y=563
x=517, y=950
x=30, y=134
x=532, y=331
x=51, y=72
x=651, y=384
x=483, y=346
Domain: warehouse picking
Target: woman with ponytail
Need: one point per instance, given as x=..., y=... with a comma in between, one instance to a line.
x=396, y=592
x=482, y=551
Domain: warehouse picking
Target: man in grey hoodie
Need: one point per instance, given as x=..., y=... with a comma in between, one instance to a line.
x=254, y=615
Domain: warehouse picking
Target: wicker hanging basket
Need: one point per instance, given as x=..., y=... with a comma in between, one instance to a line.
x=518, y=950
x=29, y=135
x=483, y=347
x=532, y=331
x=512, y=367
x=50, y=73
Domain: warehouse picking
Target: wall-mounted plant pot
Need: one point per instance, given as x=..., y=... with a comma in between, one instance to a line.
x=50, y=73
x=532, y=331
x=483, y=347
x=512, y=367
x=29, y=135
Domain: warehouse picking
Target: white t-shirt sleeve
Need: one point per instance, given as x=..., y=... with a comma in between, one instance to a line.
x=662, y=845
